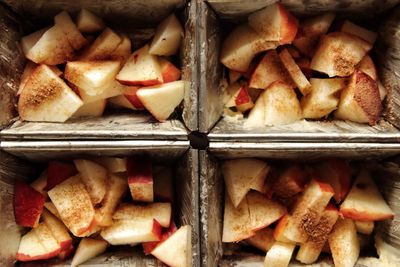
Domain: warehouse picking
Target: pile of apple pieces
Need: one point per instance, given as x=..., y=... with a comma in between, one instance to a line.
x=84, y=200
x=281, y=72
x=316, y=207
x=97, y=70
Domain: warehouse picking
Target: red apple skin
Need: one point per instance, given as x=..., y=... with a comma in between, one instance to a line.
x=243, y=97
x=58, y=172
x=28, y=204
x=289, y=26
x=24, y=257
x=66, y=252
x=148, y=247
x=141, y=83
x=139, y=171
x=135, y=101
x=170, y=73
x=364, y=216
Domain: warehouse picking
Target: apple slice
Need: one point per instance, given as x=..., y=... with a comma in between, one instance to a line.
x=140, y=179
x=360, y=101
x=243, y=100
x=323, y=98
x=29, y=68
x=46, y=97
x=310, y=250
x=367, y=66
x=289, y=183
x=128, y=99
x=58, y=172
x=67, y=253
x=161, y=100
x=28, y=205
x=230, y=94
x=103, y=47
x=310, y=31
x=241, y=175
x=274, y=23
x=281, y=229
x=295, y=72
x=337, y=173
x=161, y=212
x=87, y=22
x=141, y=68
x=126, y=232
x=40, y=183
x=240, y=47
x=338, y=53
x=51, y=208
x=88, y=248
x=114, y=88
x=94, y=176
x=351, y=28
x=163, y=184
x=237, y=222
x=92, y=109
x=256, y=116
x=263, y=239
x=176, y=251
x=269, y=70
x=46, y=238
x=279, y=254
x=123, y=50
x=74, y=36
x=364, y=227
x=364, y=201
x=74, y=205
x=344, y=243
x=112, y=164
x=169, y=72
x=58, y=230
x=148, y=247
x=167, y=38
x=29, y=41
x=308, y=210
x=263, y=211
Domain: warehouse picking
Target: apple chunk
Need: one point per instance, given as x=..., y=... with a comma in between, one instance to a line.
x=148, y=247
x=289, y=183
x=140, y=179
x=263, y=239
x=351, y=28
x=123, y=50
x=167, y=38
x=87, y=22
x=74, y=36
x=28, y=205
x=295, y=72
x=112, y=164
x=103, y=47
x=46, y=97
x=364, y=227
x=279, y=254
x=169, y=72
x=364, y=201
x=58, y=230
x=367, y=66
x=92, y=109
x=58, y=172
x=243, y=100
x=88, y=248
x=128, y=99
x=40, y=184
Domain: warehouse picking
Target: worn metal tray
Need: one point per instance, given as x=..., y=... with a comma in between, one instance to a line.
x=135, y=18
x=216, y=16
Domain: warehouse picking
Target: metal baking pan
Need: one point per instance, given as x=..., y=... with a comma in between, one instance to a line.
x=135, y=18
x=215, y=253
x=217, y=15
x=20, y=160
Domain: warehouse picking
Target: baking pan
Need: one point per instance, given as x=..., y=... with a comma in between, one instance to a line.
x=136, y=19
x=216, y=16
x=215, y=253
x=20, y=160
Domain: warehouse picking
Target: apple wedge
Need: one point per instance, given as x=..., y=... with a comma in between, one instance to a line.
x=364, y=201
x=92, y=109
x=29, y=41
x=243, y=101
x=338, y=53
x=344, y=244
x=351, y=28
x=112, y=164
x=128, y=99
x=256, y=116
x=364, y=227
x=263, y=239
x=87, y=22
x=46, y=97
x=360, y=101
x=74, y=205
x=58, y=172
x=281, y=230
x=28, y=205
x=279, y=254
x=140, y=179
x=167, y=38
x=52, y=209
x=289, y=183
x=40, y=183
x=58, y=230
x=103, y=47
x=169, y=72
x=269, y=70
x=176, y=251
x=148, y=247
x=367, y=66
x=323, y=98
x=29, y=68
x=114, y=88
x=74, y=36
x=161, y=100
x=163, y=184
x=141, y=68
x=241, y=175
x=94, y=176
x=274, y=23
x=295, y=72
x=88, y=248
x=241, y=46
x=123, y=50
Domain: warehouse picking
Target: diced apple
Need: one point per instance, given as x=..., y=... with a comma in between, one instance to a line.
x=241, y=175
x=338, y=53
x=103, y=47
x=87, y=22
x=140, y=179
x=234, y=76
x=256, y=116
x=148, y=247
x=113, y=89
x=263, y=239
x=163, y=184
x=281, y=230
x=367, y=66
x=40, y=183
x=141, y=68
x=29, y=68
x=92, y=109
x=310, y=250
x=94, y=176
x=88, y=248
x=58, y=230
x=323, y=98
x=74, y=36
x=344, y=243
x=112, y=164
x=46, y=97
x=240, y=47
x=128, y=100
x=279, y=254
x=243, y=100
x=364, y=227
x=167, y=38
x=360, y=101
x=364, y=201
x=67, y=253
x=169, y=72
x=230, y=94
x=269, y=70
x=351, y=28
x=46, y=238
x=74, y=205
x=123, y=50
x=290, y=182
x=274, y=23
x=58, y=172
x=28, y=205
x=308, y=211
x=161, y=212
x=29, y=41
x=161, y=100
x=50, y=207
x=295, y=72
